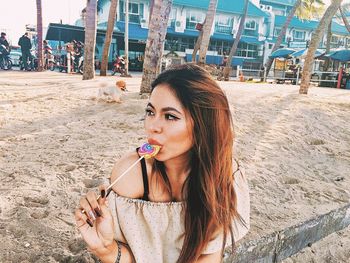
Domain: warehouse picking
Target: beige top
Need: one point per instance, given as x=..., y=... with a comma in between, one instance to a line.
x=154, y=230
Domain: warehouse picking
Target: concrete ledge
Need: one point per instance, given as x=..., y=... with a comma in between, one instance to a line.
x=284, y=243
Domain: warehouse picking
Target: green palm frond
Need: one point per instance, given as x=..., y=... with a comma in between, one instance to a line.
x=310, y=9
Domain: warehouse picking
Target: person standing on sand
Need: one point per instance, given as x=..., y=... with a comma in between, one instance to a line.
x=26, y=45
x=189, y=202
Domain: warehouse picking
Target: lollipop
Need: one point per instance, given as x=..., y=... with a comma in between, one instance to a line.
x=148, y=151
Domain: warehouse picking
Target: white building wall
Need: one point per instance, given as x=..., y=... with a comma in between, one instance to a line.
x=103, y=14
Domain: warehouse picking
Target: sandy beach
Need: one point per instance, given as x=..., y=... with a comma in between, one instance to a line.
x=57, y=142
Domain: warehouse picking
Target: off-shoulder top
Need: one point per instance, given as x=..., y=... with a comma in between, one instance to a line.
x=154, y=230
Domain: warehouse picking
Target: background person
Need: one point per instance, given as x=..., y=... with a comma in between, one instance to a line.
x=26, y=45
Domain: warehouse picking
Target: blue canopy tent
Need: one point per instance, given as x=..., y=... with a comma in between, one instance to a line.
x=282, y=53
x=303, y=53
x=342, y=55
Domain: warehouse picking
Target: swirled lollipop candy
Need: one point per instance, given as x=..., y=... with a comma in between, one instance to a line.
x=148, y=151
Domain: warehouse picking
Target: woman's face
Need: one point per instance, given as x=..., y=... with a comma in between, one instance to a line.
x=167, y=124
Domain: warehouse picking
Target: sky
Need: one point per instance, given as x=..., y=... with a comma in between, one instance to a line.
x=15, y=14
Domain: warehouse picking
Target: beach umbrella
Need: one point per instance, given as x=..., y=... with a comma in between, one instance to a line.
x=282, y=53
x=342, y=55
x=303, y=52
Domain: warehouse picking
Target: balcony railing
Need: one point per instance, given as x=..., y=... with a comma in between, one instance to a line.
x=223, y=29
x=132, y=18
x=251, y=33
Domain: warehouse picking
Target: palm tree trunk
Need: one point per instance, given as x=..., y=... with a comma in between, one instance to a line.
x=315, y=41
x=209, y=21
x=196, y=46
x=155, y=42
x=282, y=34
x=328, y=46
x=126, y=39
x=39, y=26
x=346, y=22
x=108, y=39
x=227, y=68
x=90, y=39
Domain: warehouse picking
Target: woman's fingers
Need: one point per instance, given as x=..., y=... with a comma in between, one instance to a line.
x=88, y=210
x=81, y=219
x=96, y=210
x=102, y=201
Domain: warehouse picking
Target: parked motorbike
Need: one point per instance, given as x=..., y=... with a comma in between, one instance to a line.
x=32, y=62
x=118, y=66
x=5, y=60
x=49, y=60
x=79, y=65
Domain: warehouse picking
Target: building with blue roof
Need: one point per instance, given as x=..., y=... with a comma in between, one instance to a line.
x=263, y=24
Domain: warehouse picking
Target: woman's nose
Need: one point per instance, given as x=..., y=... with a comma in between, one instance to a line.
x=154, y=125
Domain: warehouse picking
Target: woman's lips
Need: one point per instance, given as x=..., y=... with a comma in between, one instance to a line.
x=154, y=142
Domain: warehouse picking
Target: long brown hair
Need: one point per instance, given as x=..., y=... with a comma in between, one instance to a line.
x=210, y=205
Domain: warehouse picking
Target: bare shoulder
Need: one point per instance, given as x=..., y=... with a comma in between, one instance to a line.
x=131, y=184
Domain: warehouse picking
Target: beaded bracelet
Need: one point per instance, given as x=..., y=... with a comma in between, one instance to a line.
x=119, y=253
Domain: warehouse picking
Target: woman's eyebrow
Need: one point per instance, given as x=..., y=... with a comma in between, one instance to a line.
x=164, y=109
x=171, y=109
x=150, y=105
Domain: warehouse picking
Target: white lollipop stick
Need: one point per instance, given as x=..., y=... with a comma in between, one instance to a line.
x=109, y=188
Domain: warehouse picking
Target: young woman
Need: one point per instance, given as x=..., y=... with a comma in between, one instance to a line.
x=187, y=203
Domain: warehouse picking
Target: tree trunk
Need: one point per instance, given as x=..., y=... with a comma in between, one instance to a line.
x=39, y=28
x=315, y=41
x=126, y=40
x=346, y=22
x=209, y=21
x=155, y=43
x=196, y=46
x=108, y=38
x=282, y=34
x=90, y=39
x=328, y=45
x=227, y=68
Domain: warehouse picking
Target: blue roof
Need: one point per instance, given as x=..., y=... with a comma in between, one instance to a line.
x=297, y=23
x=279, y=2
x=227, y=6
x=309, y=24
x=219, y=36
x=339, y=29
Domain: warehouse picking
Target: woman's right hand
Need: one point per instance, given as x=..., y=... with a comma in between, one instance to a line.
x=96, y=223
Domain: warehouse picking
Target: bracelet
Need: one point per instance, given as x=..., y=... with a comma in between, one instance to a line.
x=119, y=252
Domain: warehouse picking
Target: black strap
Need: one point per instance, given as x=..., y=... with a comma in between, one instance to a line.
x=144, y=178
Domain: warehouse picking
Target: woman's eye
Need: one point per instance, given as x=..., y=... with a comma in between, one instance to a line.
x=170, y=117
x=149, y=112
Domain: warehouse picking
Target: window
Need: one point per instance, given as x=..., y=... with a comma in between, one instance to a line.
x=299, y=35
x=250, y=25
x=135, y=12
x=277, y=32
x=223, y=20
x=347, y=42
x=194, y=17
x=247, y=50
x=172, y=18
x=335, y=40
x=223, y=24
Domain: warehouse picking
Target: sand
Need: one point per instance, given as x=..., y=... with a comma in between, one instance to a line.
x=57, y=142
